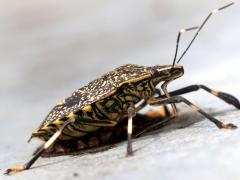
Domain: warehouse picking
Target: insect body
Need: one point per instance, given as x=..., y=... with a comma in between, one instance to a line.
x=105, y=100
x=120, y=93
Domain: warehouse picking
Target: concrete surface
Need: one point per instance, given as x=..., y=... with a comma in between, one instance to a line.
x=50, y=48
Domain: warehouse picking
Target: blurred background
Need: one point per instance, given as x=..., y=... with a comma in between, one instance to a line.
x=49, y=48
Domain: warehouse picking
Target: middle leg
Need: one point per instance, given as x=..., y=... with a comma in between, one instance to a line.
x=131, y=114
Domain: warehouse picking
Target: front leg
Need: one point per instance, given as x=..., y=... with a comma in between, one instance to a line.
x=228, y=98
x=180, y=99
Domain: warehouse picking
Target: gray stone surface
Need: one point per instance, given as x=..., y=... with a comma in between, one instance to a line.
x=50, y=48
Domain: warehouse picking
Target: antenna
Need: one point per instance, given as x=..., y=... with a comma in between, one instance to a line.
x=199, y=29
x=178, y=40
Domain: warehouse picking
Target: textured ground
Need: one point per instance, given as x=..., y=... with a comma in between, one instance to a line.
x=183, y=151
x=50, y=48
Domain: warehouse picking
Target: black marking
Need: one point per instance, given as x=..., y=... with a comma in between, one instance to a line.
x=98, y=114
x=70, y=130
x=78, y=128
x=68, y=135
x=100, y=108
x=72, y=100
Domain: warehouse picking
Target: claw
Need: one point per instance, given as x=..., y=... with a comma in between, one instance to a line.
x=129, y=154
x=14, y=170
x=229, y=126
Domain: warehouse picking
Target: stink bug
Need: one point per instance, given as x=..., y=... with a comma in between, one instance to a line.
x=121, y=93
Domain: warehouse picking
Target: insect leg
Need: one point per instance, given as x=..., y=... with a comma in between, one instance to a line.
x=131, y=114
x=228, y=98
x=144, y=103
x=40, y=151
x=140, y=106
x=164, y=111
x=180, y=99
x=164, y=88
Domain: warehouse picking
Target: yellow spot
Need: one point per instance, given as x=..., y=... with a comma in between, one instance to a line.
x=130, y=126
x=58, y=122
x=46, y=128
x=182, y=30
x=87, y=108
x=71, y=116
x=156, y=114
x=195, y=107
x=15, y=170
x=52, y=139
x=162, y=111
x=35, y=133
x=215, y=11
x=215, y=93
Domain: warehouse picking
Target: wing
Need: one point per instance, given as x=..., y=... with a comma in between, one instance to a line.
x=97, y=90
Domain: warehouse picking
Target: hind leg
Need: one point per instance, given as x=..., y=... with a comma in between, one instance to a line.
x=38, y=153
